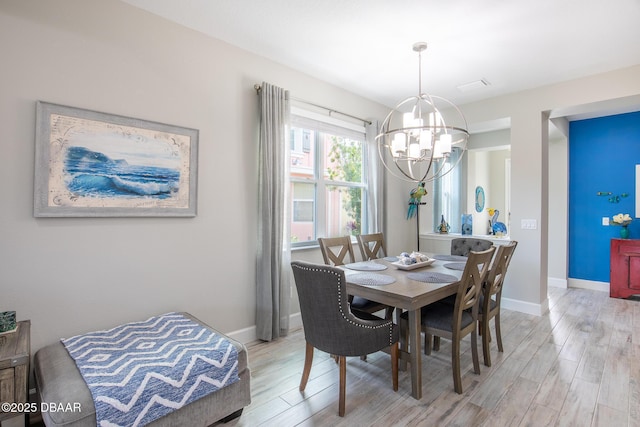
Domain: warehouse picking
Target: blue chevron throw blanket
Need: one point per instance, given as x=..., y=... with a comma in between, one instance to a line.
x=140, y=371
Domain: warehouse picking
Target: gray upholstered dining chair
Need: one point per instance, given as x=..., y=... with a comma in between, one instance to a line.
x=491, y=296
x=335, y=251
x=371, y=246
x=441, y=319
x=463, y=245
x=330, y=326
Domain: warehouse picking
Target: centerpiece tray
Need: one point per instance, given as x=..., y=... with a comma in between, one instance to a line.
x=420, y=264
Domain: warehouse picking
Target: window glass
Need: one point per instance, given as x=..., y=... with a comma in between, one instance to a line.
x=344, y=210
x=303, y=160
x=303, y=215
x=327, y=181
x=343, y=159
x=448, y=197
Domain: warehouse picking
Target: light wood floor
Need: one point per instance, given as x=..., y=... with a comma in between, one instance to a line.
x=579, y=365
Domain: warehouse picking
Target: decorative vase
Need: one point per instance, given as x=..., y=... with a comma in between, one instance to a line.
x=467, y=224
x=444, y=227
x=624, y=232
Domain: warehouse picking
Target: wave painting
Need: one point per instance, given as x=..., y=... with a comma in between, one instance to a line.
x=98, y=164
x=93, y=174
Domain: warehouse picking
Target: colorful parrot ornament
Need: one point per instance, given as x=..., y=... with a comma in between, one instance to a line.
x=414, y=200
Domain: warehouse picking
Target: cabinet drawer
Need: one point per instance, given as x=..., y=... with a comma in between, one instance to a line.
x=634, y=272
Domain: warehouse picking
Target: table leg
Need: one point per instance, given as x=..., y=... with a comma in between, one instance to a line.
x=414, y=353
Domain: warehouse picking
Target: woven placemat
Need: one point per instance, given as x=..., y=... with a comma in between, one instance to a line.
x=432, y=277
x=372, y=279
x=450, y=257
x=365, y=266
x=456, y=266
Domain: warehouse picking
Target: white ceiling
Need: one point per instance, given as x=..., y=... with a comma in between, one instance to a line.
x=365, y=46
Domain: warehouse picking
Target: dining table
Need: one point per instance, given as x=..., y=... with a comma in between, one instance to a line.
x=408, y=288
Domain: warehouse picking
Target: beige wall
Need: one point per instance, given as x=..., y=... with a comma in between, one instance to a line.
x=558, y=208
x=70, y=275
x=528, y=111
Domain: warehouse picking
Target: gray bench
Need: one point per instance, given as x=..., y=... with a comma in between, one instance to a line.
x=58, y=380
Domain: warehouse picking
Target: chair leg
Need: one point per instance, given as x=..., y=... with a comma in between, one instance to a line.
x=394, y=366
x=486, y=345
x=498, y=333
x=343, y=384
x=308, y=359
x=474, y=352
x=389, y=313
x=427, y=344
x=481, y=330
x=436, y=343
x=455, y=364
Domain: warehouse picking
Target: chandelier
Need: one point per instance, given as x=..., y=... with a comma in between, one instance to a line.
x=424, y=137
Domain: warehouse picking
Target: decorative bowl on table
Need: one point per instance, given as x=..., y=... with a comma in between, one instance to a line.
x=413, y=260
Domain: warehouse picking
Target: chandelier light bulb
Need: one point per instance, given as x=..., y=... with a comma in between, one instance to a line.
x=414, y=151
x=445, y=143
x=399, y=145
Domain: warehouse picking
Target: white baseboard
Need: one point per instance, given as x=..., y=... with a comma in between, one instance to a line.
x=557, y=282
x=248, y=335
x=525, y=307
x=245, y=336
x=589, y=284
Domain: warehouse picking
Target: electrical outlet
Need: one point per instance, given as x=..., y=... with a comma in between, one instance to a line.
x=605, y=220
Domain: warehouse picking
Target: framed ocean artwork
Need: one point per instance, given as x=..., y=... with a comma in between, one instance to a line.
x=92, y=164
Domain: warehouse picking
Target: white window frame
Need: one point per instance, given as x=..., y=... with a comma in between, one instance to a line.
x=331, y=125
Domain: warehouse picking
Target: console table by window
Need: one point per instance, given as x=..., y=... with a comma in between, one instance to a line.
x=15, y=349
x=624, y=268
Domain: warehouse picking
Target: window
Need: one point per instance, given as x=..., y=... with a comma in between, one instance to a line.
x=448, y=195
x=328, y=189
x=303, y=210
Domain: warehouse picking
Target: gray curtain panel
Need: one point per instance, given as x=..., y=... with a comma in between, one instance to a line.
x=375, y=182
x=273, y=275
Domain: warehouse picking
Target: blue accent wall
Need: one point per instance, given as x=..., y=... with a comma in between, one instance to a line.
x=603, y=154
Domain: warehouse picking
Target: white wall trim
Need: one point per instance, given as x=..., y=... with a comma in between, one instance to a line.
x=526, y=307
x=248, y=335
x=589, y=284
x=557, y=282
x=245, y=336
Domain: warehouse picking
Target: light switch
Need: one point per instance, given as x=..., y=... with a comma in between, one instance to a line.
x=528, y=224
x=605, y=220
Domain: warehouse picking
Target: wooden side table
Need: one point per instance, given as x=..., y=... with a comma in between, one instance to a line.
x=15, y=353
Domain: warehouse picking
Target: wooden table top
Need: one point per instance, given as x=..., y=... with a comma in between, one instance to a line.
x=405, y=293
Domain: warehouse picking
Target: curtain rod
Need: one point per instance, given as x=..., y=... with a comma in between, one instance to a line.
x=257, y=87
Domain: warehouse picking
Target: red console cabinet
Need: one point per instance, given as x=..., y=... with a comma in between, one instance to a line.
x=625, y=268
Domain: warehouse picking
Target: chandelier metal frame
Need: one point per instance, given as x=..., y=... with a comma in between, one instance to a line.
x=420, y=133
